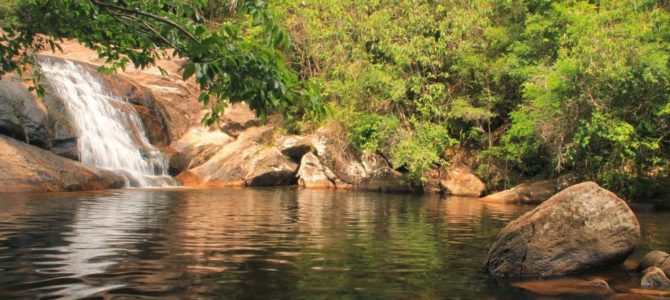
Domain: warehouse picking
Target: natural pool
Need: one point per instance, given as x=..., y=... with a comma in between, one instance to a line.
x=257, y=244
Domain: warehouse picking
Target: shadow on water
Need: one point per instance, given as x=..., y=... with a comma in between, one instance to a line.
x=255, y=244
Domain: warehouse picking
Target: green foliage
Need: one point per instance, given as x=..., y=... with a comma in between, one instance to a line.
x=372, y=133
x=598, y=108
x=420, y=149
x=538, y=87
x=240, y=60
x=8, y=12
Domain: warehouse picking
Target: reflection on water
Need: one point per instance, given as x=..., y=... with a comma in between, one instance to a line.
x=253, y=243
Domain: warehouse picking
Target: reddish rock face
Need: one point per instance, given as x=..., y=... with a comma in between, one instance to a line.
x=462, y=182
x=25, y=168
x=582, y=227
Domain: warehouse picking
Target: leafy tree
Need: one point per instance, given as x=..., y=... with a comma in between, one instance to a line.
x=241, y=60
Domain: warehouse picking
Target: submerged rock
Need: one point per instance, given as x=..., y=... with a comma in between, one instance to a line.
x=525, y=193
x=26, y=168
x=580, y=228
x=566, y=287
x=643, y=294
x=312, y=174
x=655, y=278
x=462, y=182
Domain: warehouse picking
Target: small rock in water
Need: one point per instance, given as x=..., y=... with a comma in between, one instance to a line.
x=655, y=278
x=654, y=258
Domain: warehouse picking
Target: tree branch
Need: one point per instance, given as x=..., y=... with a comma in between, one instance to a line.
x=148, y=15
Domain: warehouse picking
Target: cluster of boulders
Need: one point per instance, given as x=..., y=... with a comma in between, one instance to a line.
x=240, y=151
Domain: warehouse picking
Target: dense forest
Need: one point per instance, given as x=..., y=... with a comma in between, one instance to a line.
x=524, y=89
x=531, y=88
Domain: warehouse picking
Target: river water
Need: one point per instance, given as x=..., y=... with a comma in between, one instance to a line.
x=256, y=244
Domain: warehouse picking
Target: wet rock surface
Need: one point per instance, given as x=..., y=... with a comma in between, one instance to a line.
x=581, y=228
x=26, y=168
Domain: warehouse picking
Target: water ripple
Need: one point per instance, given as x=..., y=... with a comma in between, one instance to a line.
x=248, y=244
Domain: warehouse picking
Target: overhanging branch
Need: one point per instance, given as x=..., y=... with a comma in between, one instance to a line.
x=107, y=7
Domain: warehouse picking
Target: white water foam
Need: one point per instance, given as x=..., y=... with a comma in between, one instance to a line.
x=110, y=131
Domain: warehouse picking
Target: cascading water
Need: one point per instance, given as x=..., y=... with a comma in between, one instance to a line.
x=111, y=134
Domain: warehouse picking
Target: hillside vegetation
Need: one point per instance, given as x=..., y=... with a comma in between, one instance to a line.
x=520, y=89
x=530, y=88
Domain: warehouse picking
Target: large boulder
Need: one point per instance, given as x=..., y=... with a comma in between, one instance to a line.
x=462, y=182
x=226, y=168
x=196, y=147
x=582, y=227
x=338, y=158
x=260, y=134
x=26, y=168
x=525, y=193
x=241, y=163
x=313, y=175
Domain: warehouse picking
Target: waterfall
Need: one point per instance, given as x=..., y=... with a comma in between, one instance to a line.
x=111, y=134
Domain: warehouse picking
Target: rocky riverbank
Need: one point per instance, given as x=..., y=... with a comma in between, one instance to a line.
x=239, y=151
